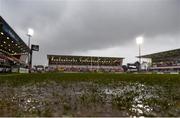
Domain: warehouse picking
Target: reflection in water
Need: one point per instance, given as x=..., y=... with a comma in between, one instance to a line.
x=138, y=91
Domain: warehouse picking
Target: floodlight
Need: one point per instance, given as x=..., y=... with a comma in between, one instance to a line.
x=30, y=32
x=139, y=40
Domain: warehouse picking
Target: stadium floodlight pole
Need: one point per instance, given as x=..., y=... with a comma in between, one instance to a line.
x=98, y=64
x=139, y=41
x=30, y=34
x=91, y=63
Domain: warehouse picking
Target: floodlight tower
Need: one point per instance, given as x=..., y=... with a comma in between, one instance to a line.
x=30, y=34
x=139, y=42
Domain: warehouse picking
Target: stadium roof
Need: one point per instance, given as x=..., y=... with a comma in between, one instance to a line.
x=83, y=56
x=10, y=42
x=164, y=54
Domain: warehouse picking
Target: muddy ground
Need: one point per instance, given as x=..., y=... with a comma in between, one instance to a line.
x=86, y=98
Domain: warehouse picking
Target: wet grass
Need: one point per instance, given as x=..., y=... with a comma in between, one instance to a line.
x=150, y=79
x=89, y=94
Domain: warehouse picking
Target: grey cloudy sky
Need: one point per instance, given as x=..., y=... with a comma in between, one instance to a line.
x=95, y=27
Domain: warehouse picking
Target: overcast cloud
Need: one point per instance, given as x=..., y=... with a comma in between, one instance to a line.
x=95, y=27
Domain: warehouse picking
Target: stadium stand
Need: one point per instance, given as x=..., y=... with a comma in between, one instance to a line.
x=13, y=50
x=166, y=61
x=70, y=63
